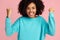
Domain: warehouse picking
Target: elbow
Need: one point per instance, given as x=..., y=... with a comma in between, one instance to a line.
x=8, y=32
x=52, y=33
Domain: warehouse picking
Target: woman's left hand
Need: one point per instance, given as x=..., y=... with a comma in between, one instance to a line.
x=51, y=9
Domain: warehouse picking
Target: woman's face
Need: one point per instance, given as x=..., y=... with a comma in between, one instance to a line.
x=31, y=10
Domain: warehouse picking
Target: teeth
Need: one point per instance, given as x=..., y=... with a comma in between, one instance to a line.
x=31, y=13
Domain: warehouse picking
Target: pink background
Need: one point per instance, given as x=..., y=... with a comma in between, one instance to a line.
x=13, y=4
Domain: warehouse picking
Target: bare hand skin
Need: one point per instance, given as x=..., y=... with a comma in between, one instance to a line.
x=51, y=9
x=8, y=12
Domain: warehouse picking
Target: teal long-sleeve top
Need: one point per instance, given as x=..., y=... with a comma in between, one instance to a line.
x=31, y=28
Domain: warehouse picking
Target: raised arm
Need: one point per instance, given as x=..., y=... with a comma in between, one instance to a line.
x=50, y=25
x=11, y=28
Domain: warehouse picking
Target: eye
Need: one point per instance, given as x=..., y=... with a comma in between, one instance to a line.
x=33, y=7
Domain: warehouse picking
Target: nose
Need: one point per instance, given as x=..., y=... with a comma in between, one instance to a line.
x=30, y=10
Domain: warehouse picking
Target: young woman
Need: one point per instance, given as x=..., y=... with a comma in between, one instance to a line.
x=31, y=26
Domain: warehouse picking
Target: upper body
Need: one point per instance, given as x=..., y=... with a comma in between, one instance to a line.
x=30, y=26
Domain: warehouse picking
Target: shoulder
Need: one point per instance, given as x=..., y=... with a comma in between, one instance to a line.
x=20, y=18
x=42, y=19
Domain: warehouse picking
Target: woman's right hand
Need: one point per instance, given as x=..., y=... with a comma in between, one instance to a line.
x=8, y=12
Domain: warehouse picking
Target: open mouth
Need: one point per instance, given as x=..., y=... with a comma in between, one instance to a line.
x=31, y=14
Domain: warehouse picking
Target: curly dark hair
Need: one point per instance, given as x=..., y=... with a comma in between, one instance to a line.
x=24, y=3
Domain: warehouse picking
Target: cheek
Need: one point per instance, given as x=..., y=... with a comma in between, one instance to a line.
x=27, y=11
x=34, y=10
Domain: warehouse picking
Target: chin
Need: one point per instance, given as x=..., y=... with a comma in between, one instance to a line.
x=32, y=16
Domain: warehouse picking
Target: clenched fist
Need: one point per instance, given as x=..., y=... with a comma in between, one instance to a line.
x=51, y=9
x=8, y=12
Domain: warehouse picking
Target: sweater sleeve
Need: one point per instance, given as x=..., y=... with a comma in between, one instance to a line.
x=50, y=25
x=10, y=29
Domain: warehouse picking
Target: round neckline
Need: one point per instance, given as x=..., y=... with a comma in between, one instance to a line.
x=33, y=18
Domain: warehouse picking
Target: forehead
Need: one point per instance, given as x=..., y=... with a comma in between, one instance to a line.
x=32, y=4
